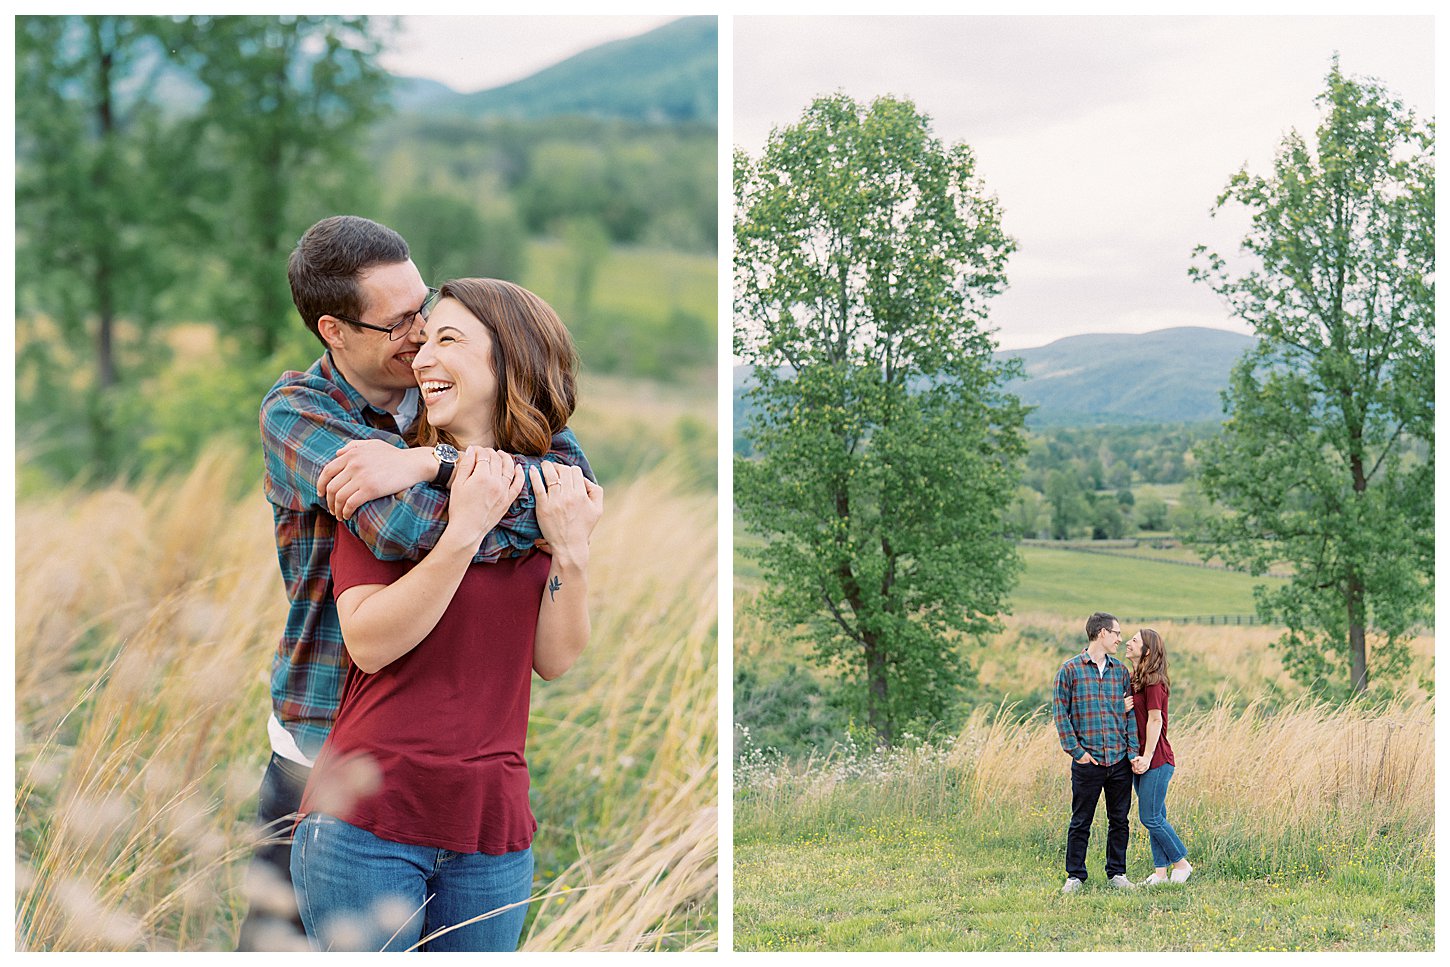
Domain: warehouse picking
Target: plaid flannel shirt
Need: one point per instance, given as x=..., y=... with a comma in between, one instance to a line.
x=1088, y=710
x=306, y=418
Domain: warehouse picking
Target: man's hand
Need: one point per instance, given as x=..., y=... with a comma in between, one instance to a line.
x=485, y=482
x=365, y=470
x=1087, y=759
x=1127, y=703
x=1140, y=764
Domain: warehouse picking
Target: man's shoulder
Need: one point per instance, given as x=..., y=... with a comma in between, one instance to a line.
x=1070, y=664
x=294, y=389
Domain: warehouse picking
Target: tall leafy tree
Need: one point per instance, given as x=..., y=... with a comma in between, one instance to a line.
x=885, y=450
x=94, y=216
x=1327, y=454
x=289, y=103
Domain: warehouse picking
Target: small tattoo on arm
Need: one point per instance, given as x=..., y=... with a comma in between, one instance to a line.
x=554, y=585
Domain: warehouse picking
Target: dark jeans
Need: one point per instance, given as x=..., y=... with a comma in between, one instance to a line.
x=272, y=921
x=1088, y=783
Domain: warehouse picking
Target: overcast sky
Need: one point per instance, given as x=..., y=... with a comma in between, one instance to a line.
x=473, y=53
x=1106, y=139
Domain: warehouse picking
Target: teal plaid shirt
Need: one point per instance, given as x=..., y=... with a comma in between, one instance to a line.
x=306, y=418
x=1087, y=709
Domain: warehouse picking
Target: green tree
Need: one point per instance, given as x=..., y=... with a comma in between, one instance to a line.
x=289, y=101
x=886, y=450
x=452, y=237
x=95, y=218
x=1068, y=503
x=1326, y=455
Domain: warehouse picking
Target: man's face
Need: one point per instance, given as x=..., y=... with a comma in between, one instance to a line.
x=390, y=294
x=1110, y=637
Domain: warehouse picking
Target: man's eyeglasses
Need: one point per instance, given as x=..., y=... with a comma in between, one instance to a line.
x=400, y=328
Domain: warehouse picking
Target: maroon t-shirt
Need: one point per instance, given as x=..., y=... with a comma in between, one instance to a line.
x=1153, y=696
x=444, y=724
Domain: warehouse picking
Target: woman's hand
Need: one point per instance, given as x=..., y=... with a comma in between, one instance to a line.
x=1140, y=764
x=567, y=505
x=365, y=470
x=485, y=482
x=1127, y=703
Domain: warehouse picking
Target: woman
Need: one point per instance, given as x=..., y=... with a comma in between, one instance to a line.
x=1153, y=766
x=417, y=812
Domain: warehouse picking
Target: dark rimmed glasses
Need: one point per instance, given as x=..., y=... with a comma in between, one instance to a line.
x=400, y=328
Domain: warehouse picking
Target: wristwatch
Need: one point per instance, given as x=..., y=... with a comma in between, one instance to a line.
x=447, y=457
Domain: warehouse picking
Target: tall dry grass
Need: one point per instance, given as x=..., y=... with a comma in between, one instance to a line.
x=145, y=623
x=1258, y=792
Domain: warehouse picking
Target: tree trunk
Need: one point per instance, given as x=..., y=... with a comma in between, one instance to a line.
x=1358, y=670
x=876, y=689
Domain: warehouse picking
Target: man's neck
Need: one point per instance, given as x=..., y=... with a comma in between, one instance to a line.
x=381, y=397
x=1097, y=653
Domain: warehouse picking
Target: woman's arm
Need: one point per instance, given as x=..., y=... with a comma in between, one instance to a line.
x=1155, y=729
x=568, y=506
x=382, y=622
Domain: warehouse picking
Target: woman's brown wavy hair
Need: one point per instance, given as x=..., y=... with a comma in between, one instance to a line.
x=534, y=363
x=1152, y=666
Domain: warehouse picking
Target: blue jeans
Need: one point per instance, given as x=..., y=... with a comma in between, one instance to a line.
x=1152, y=788
x=357, y=891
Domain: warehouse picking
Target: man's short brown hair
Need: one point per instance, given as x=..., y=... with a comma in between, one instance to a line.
x=324, y=267
x=1098, y=622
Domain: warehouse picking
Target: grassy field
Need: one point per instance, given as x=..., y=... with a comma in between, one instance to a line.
x=641, y=282
x=1311, y=826
x=1326, y=843
x=146, y=621
x=1069, y=582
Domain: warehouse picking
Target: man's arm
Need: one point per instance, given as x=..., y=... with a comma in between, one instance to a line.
x=303, y=428
x=368, y=471
x=1062, y=714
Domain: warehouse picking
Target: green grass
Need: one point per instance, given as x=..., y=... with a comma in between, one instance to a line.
x=1072, y=582
x=963, y=882
x=644, y=283
x=1075, y=583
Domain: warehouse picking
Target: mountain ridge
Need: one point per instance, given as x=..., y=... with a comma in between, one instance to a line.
x=664, y=76
x=1171, y=375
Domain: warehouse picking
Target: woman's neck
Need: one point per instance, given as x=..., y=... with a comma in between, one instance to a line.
x=475, y=439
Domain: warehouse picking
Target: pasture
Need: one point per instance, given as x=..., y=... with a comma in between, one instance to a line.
x=1311, y=826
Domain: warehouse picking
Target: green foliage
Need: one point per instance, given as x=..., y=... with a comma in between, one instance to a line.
x=94, y=214
x=645, y=184
x=1326, y=457
x=885, y=450
x=288, y=99
x=456, y=236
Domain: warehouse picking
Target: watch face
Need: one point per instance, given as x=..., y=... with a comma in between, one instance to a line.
x=445, y=453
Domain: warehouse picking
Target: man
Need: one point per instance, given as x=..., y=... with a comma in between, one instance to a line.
x=358, y=291
x=1099, y=735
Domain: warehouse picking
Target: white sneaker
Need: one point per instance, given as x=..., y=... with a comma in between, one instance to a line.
x=1121, y=882
x=1154, y=879
x=1072, y=885
x=1180, y=876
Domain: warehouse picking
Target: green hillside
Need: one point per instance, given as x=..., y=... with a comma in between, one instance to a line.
x=665, y=76
x=1167, y=376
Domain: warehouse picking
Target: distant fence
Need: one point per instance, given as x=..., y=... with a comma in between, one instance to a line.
x=1193, y=619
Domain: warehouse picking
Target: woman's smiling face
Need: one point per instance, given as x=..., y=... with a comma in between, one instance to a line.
x=1135, y=647
x=454, y=368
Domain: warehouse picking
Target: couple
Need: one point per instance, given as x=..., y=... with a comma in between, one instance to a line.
x=1114, y=725
x=433, y=514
